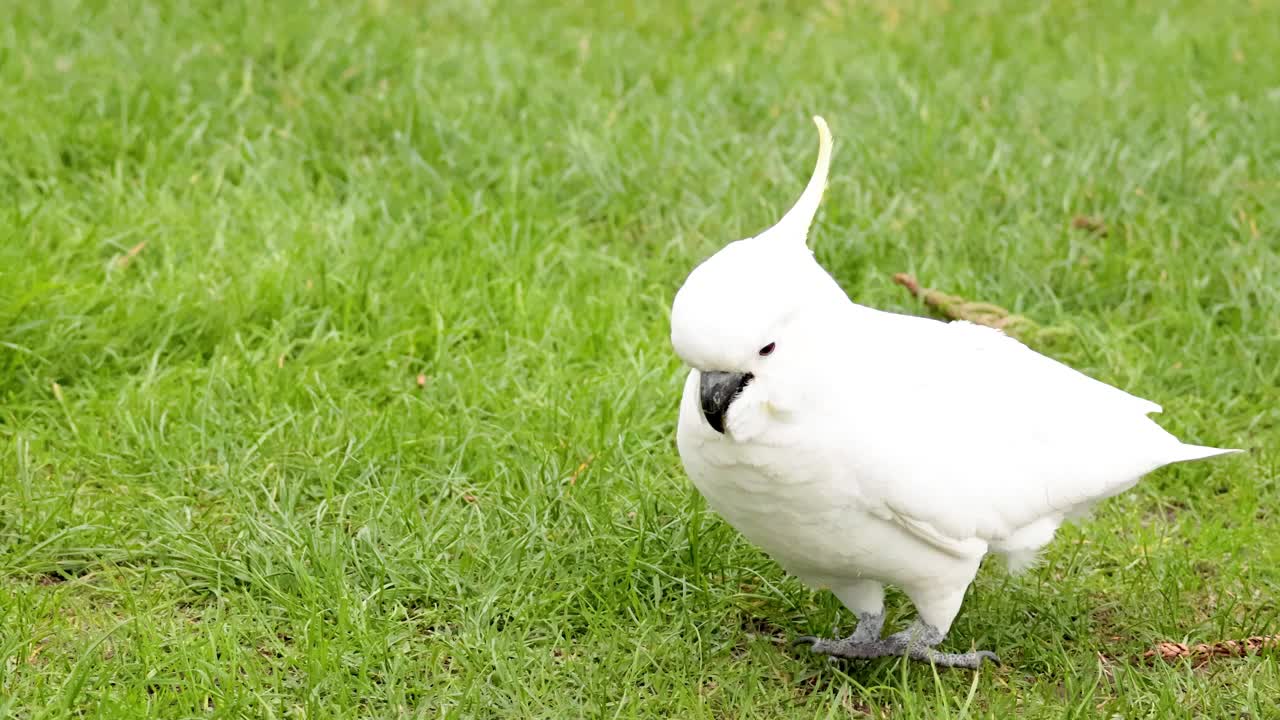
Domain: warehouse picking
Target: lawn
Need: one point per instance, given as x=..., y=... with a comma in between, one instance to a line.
x=335, y=377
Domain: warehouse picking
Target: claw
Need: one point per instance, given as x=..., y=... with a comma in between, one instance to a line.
x=805, y=640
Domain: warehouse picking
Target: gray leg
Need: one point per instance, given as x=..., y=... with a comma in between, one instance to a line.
x=865, y=598
x=916, y=642
x=870, y=625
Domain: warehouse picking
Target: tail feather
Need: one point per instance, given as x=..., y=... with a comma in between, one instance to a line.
x=1186, y=453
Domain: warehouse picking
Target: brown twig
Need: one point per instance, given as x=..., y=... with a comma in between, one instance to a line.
x=124, y=260
x=957, y=308
x=582, y=467
x=1203, y=653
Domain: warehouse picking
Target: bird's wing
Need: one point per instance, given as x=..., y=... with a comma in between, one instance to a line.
x=961, y=433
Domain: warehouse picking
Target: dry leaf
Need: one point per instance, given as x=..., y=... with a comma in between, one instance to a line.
x=1105, y=663
x=1092, y=224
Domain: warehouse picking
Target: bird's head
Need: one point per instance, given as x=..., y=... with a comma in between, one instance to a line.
x=745, y=318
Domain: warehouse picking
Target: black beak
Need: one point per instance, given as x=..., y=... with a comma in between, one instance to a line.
x=718, y=389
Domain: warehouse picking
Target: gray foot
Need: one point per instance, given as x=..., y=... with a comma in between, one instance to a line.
x=916, y=643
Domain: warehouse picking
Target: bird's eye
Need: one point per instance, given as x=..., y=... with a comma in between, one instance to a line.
x=767, y=349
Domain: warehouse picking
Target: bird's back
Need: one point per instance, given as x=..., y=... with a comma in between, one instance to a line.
x=968, y=433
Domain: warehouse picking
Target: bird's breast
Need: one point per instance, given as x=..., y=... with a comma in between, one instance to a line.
x=778, y=496
x=799, y=503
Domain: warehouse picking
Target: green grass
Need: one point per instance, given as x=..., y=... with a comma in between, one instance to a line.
x=224, y=492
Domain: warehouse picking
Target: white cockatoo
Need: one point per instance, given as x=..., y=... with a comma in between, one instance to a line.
x=854, y=445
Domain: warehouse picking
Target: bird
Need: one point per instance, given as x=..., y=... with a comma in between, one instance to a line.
x=853, y=445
